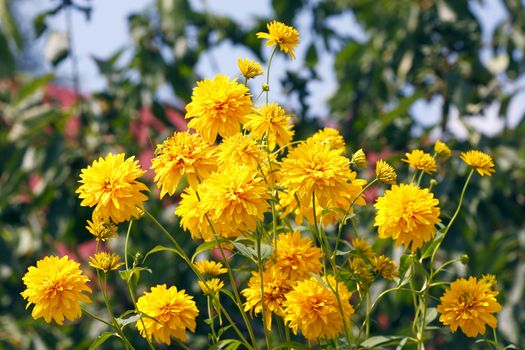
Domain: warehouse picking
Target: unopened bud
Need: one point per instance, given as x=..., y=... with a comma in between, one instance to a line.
x=266, y=87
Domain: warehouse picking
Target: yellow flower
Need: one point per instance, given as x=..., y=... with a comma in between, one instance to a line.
x=364, y=249
x=385, y=173
x=314, y=167
x=239, y=150
x=182, y=153
x=249, y=68
x=275, y=289
x=193, y=215
x=330, y=136
x=270, y=121
x=101, y=229
x=207, y=267
x=235, y=199
x=469, y=305
x=480, y=161
x=218, y=106
x=169, y=313
x=55, y=286
x=280, y=34
x=296, y=257
x=211, y=287
x=442, y=149
x=312, y=307
x=408, y=214
x=105, y=261
x=359, y=159
x=420, y=160
x=110, y=185
x=386, y=267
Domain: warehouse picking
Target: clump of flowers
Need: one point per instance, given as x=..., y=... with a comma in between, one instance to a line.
x=280, y=249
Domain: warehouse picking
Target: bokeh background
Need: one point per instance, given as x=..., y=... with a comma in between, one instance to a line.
x=80, y=78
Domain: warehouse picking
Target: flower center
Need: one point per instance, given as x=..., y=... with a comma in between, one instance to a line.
x=54, y=289
x=317, y=303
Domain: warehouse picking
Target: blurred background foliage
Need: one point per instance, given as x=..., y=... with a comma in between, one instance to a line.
x=411, y=50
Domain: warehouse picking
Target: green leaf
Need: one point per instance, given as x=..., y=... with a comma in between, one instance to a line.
x=245, y=250
x=291, y=345
x=431, y=315
x=125, y=321
x=405, y=270
x=161, y=248
x=32, y=87
x=127, y=274
x=227, y=344
x=402, y=343
x=203, y=247
x=428, y=248
x=378, y=340
x=101, y=339
x=9, y=23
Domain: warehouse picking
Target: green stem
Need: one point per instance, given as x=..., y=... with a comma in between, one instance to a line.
x=263, y=309
x=210, y=318
x=268, y=73
x=183, y=255
x=126, y=244
x=95, y=317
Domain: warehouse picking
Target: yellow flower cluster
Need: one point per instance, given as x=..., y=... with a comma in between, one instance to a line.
x=247, y=178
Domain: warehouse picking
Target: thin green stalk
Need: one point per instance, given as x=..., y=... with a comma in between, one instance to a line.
x=130, y=290
x=95, y=317
x=263, y=309
x=126, y=244
x=210, y=318
x=341, y=223
x=268, y=73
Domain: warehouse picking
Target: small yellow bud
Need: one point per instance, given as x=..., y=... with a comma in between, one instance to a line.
x=105, y=261
x=266, y=87
x=359, y=159
x=249, y=68
x=385, y=173
x=212, y=286
x=442, y=149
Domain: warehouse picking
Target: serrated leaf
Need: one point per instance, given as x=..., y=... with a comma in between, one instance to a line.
x=203, y=247
x=428, y=248
x=101, y=339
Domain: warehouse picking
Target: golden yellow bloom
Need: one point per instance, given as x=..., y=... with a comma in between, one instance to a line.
x=56, y=286
x=110, y=185
x=249, y=68
x=170, y=312
x=312, y=308
x=296, y=257
x=272, y=122
x=480, y=161
x=218, y=106
x=385, y=173
x=182, y=154
x=211, y=286
x=303, y=172
x=364, y=249
x=442, y=149
x=280, y=34
x=420, y=160
x=469, y=305
x=235, y=199
x=331, y=137
x=275, y=289
x=101, y=229
x=359, y=159
x=408, y=214
x=193, y=215
x=240, y=150
x=314, y=167
x=105, y=261
x=386, y=267
x=207, y=267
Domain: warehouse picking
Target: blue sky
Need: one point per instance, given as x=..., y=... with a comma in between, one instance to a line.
x=107, y=31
